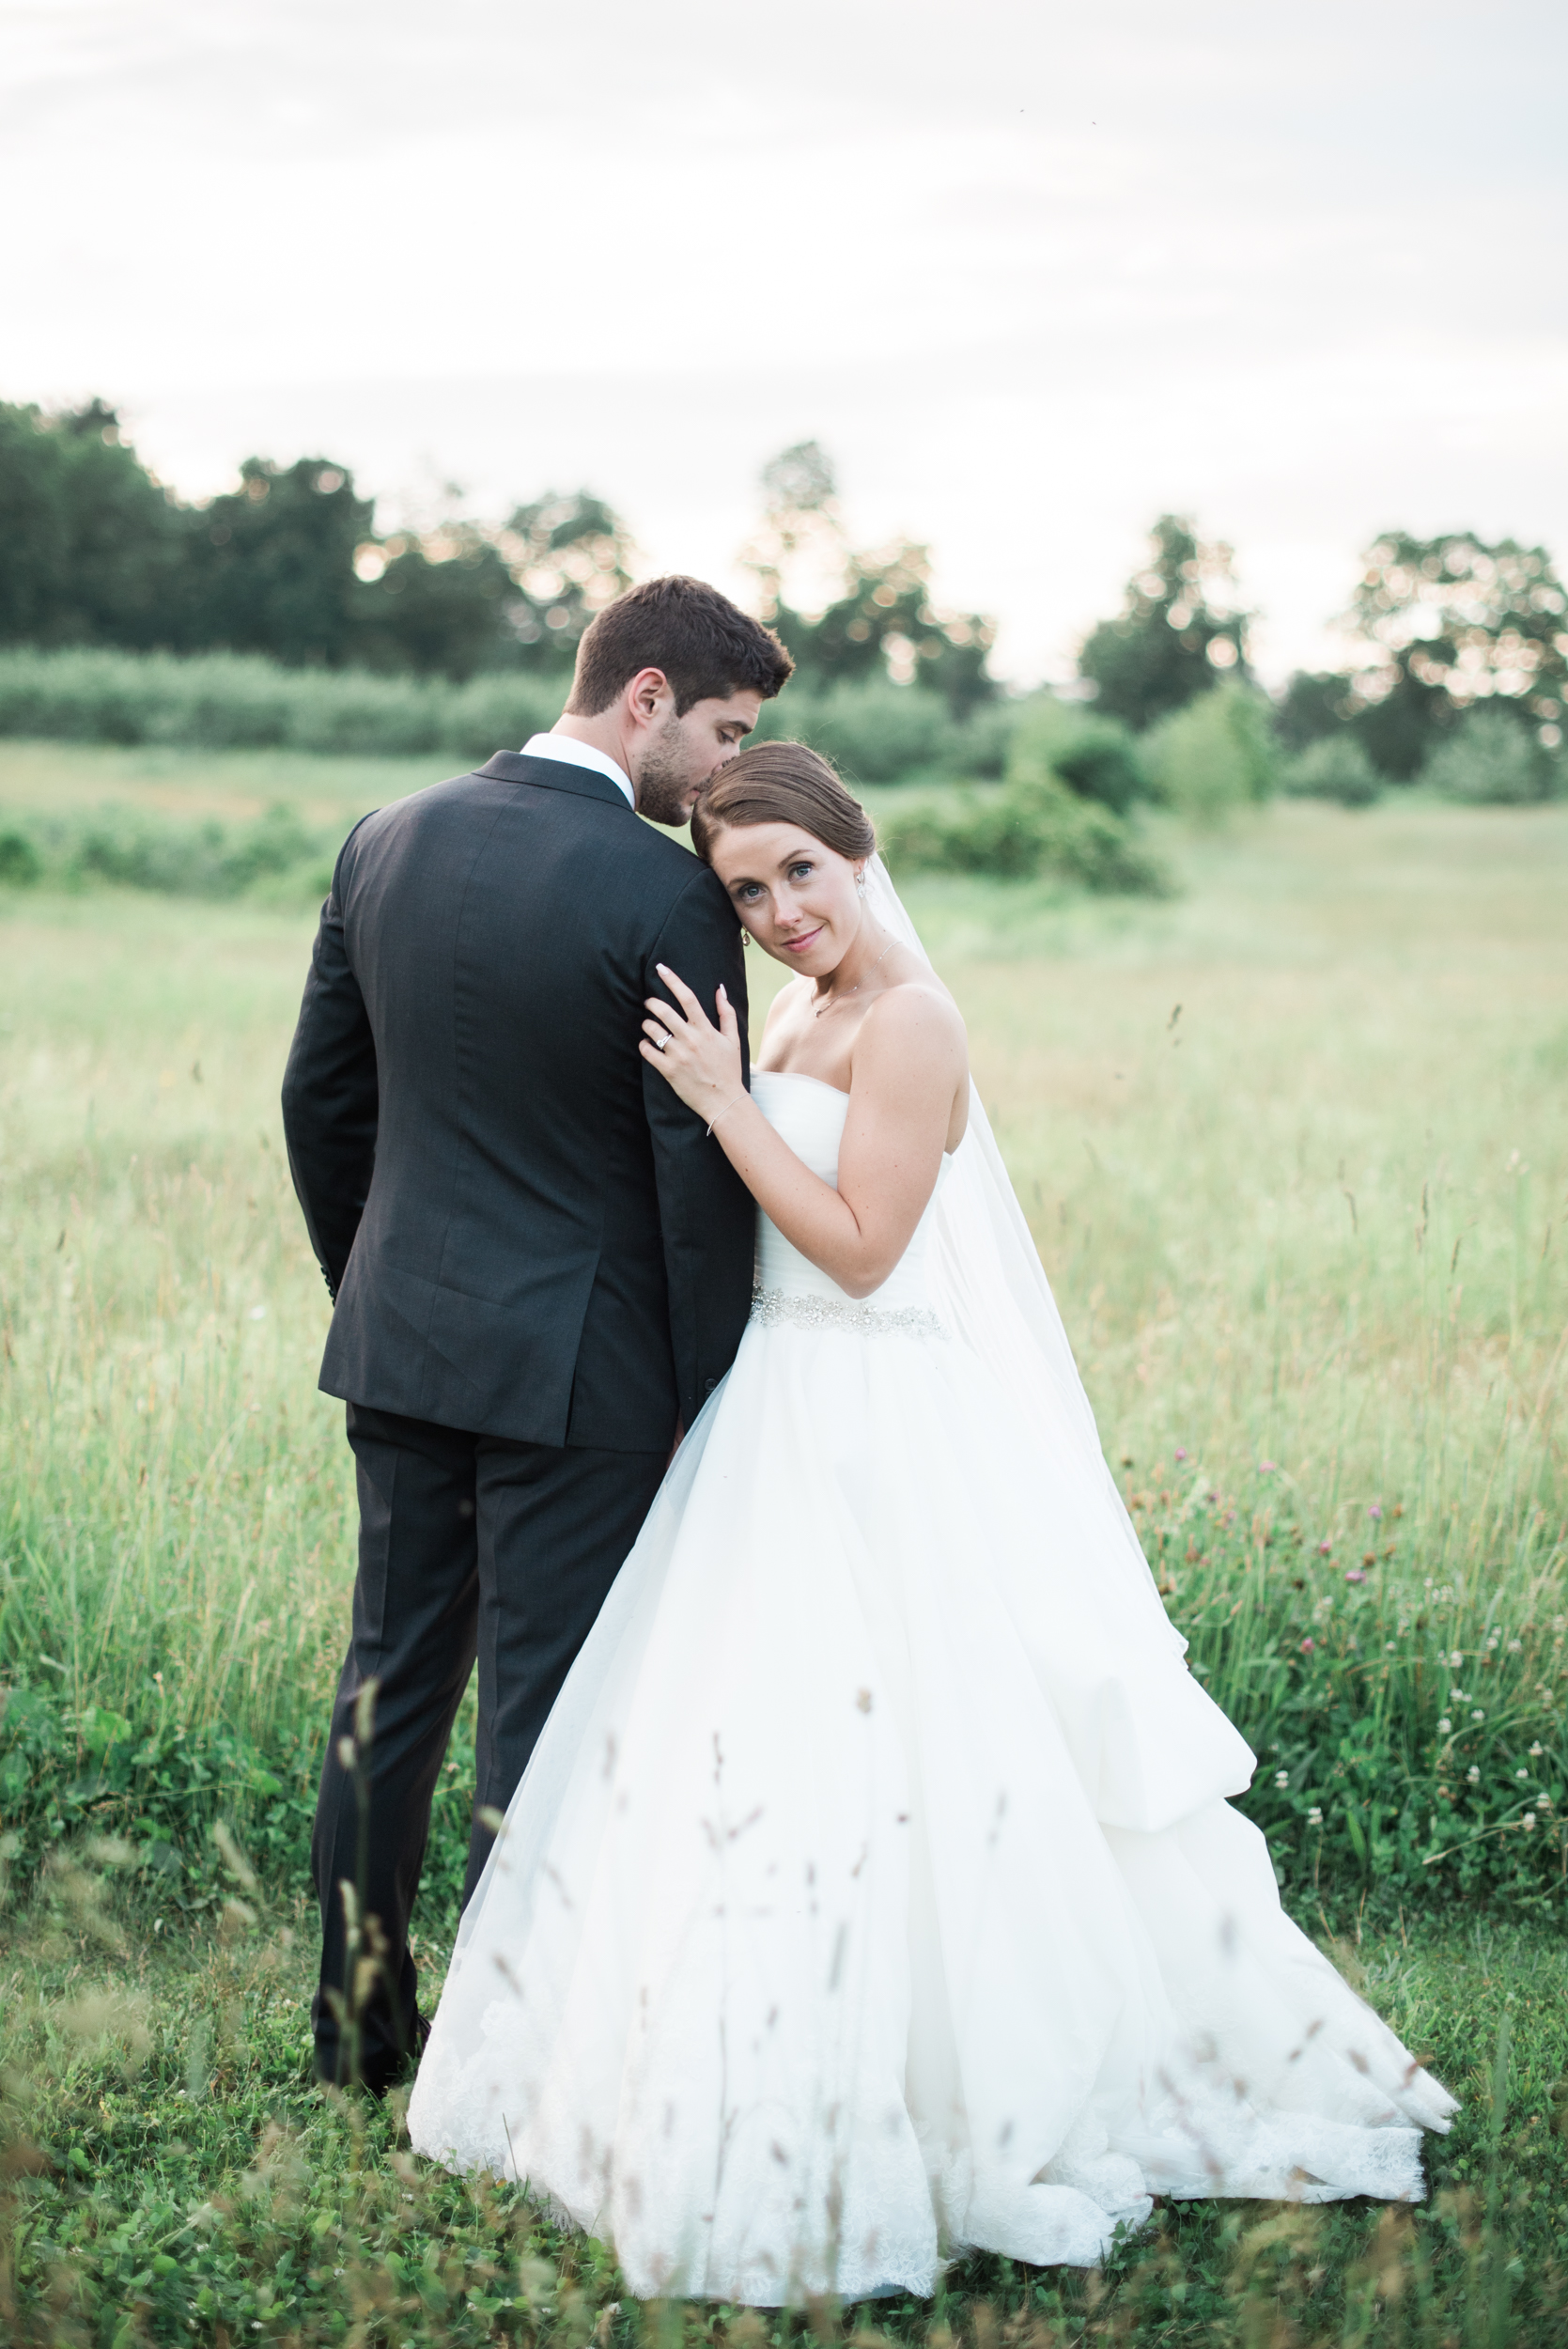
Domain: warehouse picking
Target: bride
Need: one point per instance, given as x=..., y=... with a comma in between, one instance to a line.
x=872, y=1892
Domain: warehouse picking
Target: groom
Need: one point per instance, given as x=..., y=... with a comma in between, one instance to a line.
x=541, y=1265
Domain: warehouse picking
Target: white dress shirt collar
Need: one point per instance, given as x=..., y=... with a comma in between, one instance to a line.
x=569, y=752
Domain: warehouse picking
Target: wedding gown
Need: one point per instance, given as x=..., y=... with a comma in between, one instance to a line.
x=872, y=1891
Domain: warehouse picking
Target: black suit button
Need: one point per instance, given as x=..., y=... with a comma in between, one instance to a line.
x=711, y=1384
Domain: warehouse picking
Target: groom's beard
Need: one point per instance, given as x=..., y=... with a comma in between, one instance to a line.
x=665, y=781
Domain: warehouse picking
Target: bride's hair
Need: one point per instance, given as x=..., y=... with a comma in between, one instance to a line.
x=781, y=782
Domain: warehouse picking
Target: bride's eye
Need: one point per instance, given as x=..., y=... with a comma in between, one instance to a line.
x=803, y=871
x=748, y=893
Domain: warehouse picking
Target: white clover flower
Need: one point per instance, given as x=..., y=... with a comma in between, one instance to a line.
x=1455, y=1658
x=1281, y=1777
x=1521, y=1773
x=1473, y=1775
x=1515, y=1647
x=1444, y=1726
x=1543, y=1801
x=1315, y=1816
x=1478, y=1715
x=1537, y=1750
x=1528, y=1821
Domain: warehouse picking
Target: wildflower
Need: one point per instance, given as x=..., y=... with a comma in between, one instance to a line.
x=1456, y=1658
x=1473, y=1775
x=1356, y=1574
x=1265, y=1468
x=1515, y=1647
x=1387, y=1647
x=1528, y=1821
x=1543, y=1801
x=1281, y=1778
x=1181, y=1452
x=1315, y=1816
x=1537, y=1750
x=1521, y=1773
x=1478, y=1715
x=1306, y=1646
x=1377, y=1509
x=1444, y=1726
x=1323, y=1549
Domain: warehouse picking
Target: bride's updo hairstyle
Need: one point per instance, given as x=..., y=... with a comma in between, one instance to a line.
x=781, y=782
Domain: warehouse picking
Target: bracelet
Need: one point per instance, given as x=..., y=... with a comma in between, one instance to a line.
x=725, y=1111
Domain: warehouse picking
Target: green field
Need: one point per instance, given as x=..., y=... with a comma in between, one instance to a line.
x=1307, y=1233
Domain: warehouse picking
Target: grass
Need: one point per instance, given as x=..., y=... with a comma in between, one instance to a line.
x=1306, y=1231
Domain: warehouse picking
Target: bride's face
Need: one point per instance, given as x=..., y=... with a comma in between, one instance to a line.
x=795, y=894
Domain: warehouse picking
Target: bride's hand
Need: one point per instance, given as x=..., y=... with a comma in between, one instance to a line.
x=702, y=1062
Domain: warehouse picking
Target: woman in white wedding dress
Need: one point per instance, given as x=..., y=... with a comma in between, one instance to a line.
x=872, y=1892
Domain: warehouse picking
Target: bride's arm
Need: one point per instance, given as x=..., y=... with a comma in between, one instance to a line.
x=907, y=1065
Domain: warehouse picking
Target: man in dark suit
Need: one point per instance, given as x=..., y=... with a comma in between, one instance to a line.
x=540, y=1262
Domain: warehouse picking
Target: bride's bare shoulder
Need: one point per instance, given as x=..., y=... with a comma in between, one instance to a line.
x=916, y=1019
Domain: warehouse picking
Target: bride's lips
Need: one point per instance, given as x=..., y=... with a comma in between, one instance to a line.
x=797, y=945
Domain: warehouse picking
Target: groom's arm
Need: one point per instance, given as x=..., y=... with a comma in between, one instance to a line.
x=704, y=1210
x=331, y=1096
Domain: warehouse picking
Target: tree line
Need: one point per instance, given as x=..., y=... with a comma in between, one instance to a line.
x=289, y=564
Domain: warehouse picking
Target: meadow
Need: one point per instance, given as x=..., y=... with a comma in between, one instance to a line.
x=1293, y=1144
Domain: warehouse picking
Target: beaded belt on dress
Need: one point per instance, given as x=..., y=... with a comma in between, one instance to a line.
x=772, y=1308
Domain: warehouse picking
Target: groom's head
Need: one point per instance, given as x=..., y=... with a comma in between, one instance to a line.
x=677, y=675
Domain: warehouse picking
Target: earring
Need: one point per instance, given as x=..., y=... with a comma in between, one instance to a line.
x=859, y=882
x=745, y=935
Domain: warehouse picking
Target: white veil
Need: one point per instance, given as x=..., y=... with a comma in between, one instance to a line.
x=991, y=1289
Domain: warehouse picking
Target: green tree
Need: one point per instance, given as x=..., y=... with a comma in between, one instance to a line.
x=436, y=605
x=91, y=545
x=871, y=615
x=273, y=562
x=1179, y=630
x=1442, y=624
x=567, y=558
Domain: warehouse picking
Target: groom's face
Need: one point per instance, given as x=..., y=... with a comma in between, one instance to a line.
x=681, y=756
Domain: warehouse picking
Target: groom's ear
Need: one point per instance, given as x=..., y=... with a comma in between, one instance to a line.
x=646, y=693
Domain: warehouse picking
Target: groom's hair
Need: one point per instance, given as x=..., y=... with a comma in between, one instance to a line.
x=707, y=648
x=781, y=782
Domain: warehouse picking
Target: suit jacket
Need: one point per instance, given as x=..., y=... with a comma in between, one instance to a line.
x=524, y=1232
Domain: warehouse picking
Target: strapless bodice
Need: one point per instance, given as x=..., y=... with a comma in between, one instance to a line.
x=810, y=1117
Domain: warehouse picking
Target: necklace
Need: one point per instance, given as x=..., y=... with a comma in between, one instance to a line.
x=832, y=999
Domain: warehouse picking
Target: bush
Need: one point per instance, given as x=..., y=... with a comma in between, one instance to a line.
x=881, y=733
x=1336, y=767
x=1096, y=758
x=228, y=701
x=1491, y=759
x=224, y=701
x=20, y=861
x=1024, y=831
x=139, y=852
x=1214, y=756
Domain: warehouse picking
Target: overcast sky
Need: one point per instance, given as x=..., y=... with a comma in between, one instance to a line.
x=1031, y=272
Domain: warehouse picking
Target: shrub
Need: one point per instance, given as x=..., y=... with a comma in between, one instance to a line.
x=1491, y=759
x=222, y=701
x=1214, y=756
x=20, y=861
x=1096, y=758
x=881, y=733
x=1024, y=831
x=1336, y=767
x=227, y=701
x=140, y=852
